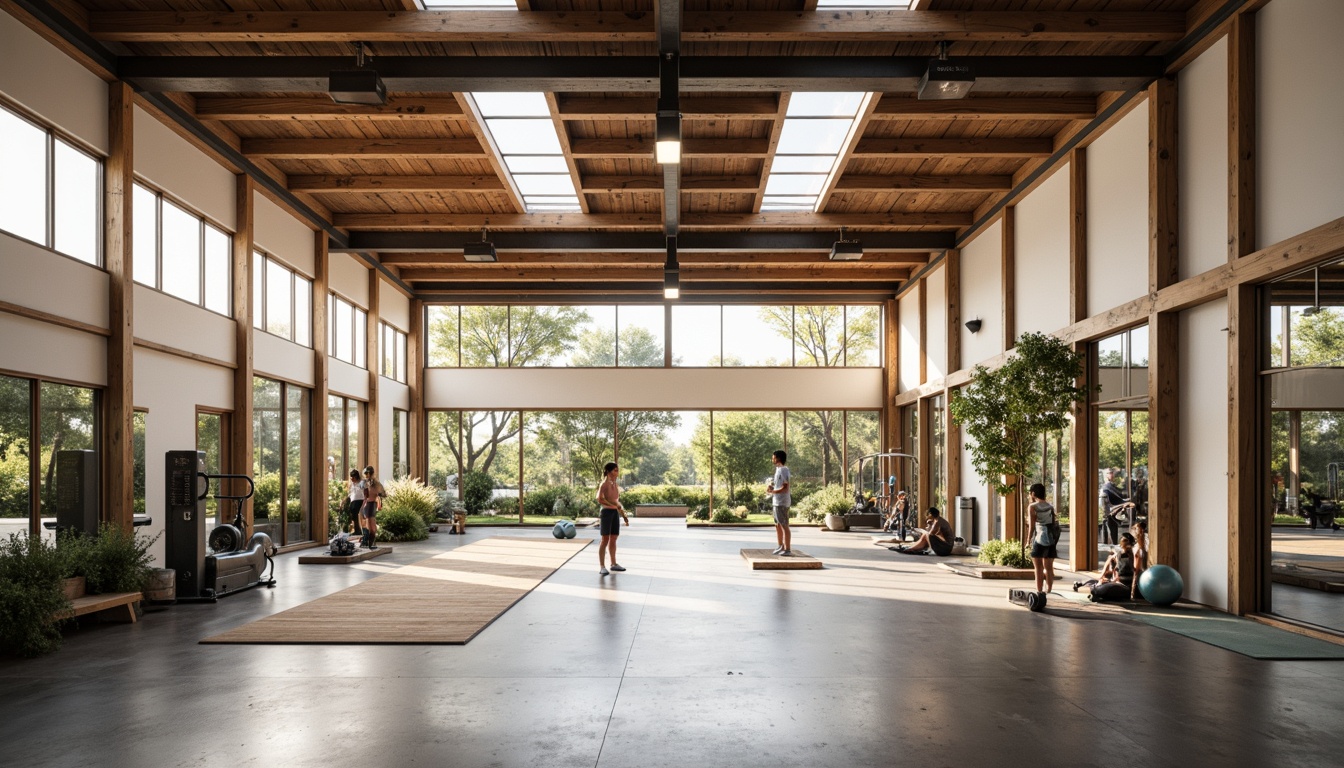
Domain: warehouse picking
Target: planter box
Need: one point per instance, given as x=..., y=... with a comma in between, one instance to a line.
x=661, y=510
x=74, y=588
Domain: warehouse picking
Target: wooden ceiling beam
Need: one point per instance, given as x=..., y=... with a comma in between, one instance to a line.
x=322, y=149
x=437, y=108
x=902, y=107
x=924, y=183
x=630, y=108
x=644, y=258
x=616, y=222
x=347, y=183
x=609, y=274
x=631, y=27
x=916, y=241
x=615, y=184
x=971, y=147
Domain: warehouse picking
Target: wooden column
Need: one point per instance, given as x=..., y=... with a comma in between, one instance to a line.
x=119, y=397
x=891, y=373
x=321, y=333
x=1163, y=328
x=1247, y=529
x=1009, y=277
x=952, y=262
x=1241, y=206
x=417, y=437
x=372, y=430
x=240, y=425
x=1083, y=481
x=1077, y=235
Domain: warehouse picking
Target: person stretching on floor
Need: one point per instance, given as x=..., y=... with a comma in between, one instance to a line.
x=1117, y=580
x=780, y=501
x=609, y=498
x=937, y=538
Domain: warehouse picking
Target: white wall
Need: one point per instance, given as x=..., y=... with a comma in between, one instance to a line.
x=54, y=86
x=689, y=388
x=172, y=164
x=171, y=388
x=1117, y=213
x=349, y=277
x=1202, y=470
x=348, y=380
x=41, y=349
x=44, y=280
x=1300, y=138
x=393, y=306
x=1202, y=161
x=936, y=330
x=280, y=234
x=280, y=358
x=982, y=295
x=907, y=310
x=1041, y=256
x=170, y=321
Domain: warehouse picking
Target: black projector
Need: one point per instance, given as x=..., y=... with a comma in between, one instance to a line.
x=357, y=86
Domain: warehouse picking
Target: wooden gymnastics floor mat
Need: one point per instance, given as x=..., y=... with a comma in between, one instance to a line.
x=443, y=600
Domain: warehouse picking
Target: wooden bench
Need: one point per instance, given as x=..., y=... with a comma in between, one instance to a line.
x=661, y=510
x=99, y=603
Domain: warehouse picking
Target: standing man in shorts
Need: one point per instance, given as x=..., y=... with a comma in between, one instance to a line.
x=781, y=500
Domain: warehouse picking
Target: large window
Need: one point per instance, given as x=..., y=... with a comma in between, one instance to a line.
x=393, y=344
x=66, y=420
x=282, y=300
x=401, y=446
x=349, y=331
x=50, y=190
x=344, y=449
x=636, y=336
x=280, y=430
x=212, y=438
x=179, y=252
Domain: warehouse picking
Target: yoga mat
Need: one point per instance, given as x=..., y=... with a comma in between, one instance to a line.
x=445, y=599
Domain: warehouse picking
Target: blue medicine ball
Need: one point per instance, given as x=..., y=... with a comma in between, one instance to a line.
x=563, y=529
x=1161, y=585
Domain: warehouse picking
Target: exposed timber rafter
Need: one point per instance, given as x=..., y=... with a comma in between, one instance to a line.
x=651, y=221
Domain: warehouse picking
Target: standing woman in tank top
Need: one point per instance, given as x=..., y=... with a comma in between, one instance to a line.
x=355, y=494
x=609, y=498
x=373, y=501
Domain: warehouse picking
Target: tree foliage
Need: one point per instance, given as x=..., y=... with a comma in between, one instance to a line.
x=738, y=449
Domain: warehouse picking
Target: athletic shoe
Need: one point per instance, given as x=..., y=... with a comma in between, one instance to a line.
x=616, y=567
x=778, y=551
x=603, y=572
x=786, y=553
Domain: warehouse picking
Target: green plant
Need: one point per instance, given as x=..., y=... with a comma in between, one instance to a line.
x=1007, y=411
x=504, y=505
x=830, y=500
x=409, y=493
x=729, y=515
x=477, y=488
x=75, y=551
x=559, y=500
x=401, y=525
x=30, y=594
x=699, y=513
x=1007, y=553
x=120, y=560
x=336, y=503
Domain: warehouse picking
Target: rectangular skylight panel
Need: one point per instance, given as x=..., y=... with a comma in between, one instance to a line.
x=544, y=184
x=536, y=164
x=816, y=136
x=802, y=164
x=461, y=5
x=783, y=203
x=552, y=204
x=512, y=104
x=795, y=184
x=524, y=136
x=822, y=104
x=890, y=5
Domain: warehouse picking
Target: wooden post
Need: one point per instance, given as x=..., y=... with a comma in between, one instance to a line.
x=1077, y=235
x=317, y=466
x=371, y=338
x=240, y=439
x=1083, y=481
x=891, y=373
x=1163, y=186
x=1163, y=328
x=1241, y=203
x=418, y=433
x=1009, y=231
x=952, y=432
x=119, y=397
x=952, y=271
x=1247, y=529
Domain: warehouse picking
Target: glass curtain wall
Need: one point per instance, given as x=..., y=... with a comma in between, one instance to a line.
x=37, y=419
x=740, y=460
x=816, y=447
x=344, y=448
x=1120, y=406
x=138, y=461
x=67, y=421
x=401, y=446
x=280, y=428
x=211, y=438
x=937, y=457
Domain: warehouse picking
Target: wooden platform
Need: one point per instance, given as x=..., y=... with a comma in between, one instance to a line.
x=360, y=556
x=765, y=560
x=985, y=571
x=99, y=603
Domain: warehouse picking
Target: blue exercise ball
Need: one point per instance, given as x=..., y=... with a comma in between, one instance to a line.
x=1161, y=585
x=563, y=529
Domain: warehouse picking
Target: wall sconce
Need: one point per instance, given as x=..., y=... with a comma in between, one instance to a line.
x=973, y=325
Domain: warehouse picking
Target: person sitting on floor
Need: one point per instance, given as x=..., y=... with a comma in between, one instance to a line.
x=897, y=512
x=936, y=539
x=1118, y=577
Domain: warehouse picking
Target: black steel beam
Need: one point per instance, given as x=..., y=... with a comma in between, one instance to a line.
x=635, y=74
x=651, y=242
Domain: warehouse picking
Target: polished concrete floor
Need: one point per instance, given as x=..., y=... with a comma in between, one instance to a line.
x=687, y=659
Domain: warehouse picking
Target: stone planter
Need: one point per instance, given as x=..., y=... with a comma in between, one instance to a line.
x=837, y=523
x=73, y=588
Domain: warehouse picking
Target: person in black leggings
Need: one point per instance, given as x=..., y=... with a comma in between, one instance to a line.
x=1117, y=578
x=609, y=498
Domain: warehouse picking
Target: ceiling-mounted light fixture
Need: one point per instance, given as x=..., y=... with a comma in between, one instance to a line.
x=667, y=127
x=671, y=272
x=846, y=250
x=484, y=251
x=945, y=79
x=357, y=86
x=1316, y=305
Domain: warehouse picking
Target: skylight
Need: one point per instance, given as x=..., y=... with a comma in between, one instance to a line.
x=521, y=127
x=456, y=5
x=817, y=126
x=891, y=5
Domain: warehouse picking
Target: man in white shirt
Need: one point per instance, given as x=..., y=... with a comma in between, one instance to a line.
x=781, y=500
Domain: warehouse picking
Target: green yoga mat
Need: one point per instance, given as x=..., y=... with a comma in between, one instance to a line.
x=1244, y=636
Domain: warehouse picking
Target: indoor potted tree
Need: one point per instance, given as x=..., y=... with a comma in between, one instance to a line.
x=1007, y=410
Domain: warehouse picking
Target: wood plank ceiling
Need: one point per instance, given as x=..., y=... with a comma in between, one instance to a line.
x=413, y=180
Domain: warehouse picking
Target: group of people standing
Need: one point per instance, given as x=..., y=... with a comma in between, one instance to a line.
x=364, y=497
